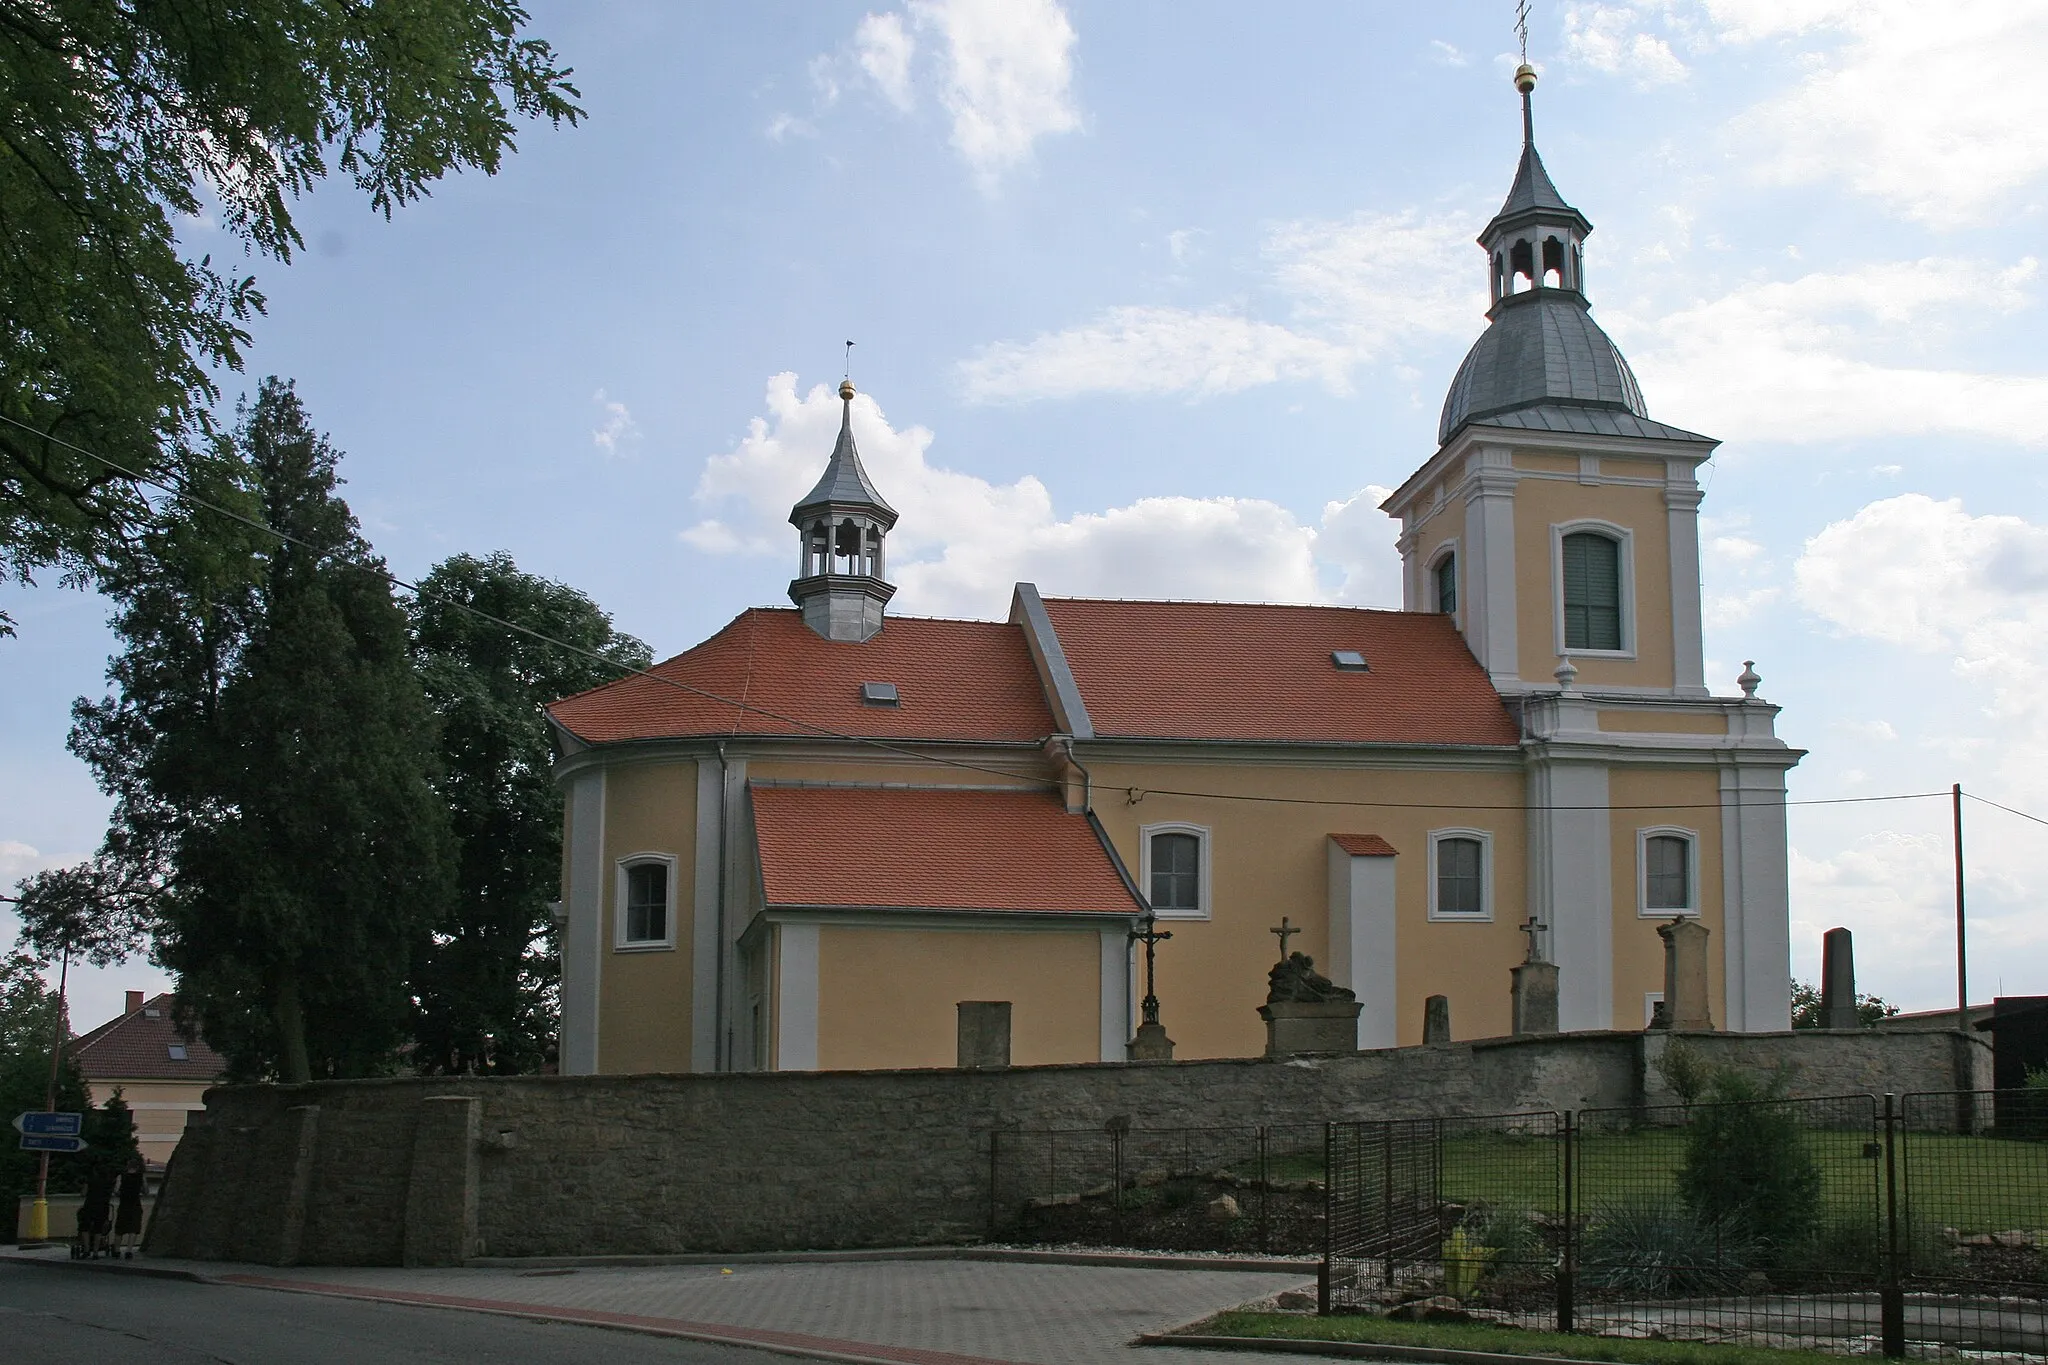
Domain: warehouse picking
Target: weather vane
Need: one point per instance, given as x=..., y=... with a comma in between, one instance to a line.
x=1522, y=28
x=849, y=361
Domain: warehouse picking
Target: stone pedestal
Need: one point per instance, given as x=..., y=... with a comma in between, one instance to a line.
x=1149, y=1044
x=984, y=1035
x=1838, y=980
x=1685, y=975
x=1294, y=1027
x=1436, y=1021
x=1535, y=998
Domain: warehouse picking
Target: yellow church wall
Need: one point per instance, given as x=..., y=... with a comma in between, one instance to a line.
x=1683, y=798
x=1029, y=767
x=1538, y=462
x=887, y=997
x=1543, y=503
x=1271, y=859
x=1663, y=722
x=644, y=1005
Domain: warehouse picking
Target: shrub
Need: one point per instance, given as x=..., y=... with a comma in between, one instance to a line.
x=1685, y=1070
x=1747, y=1166
x=1658, y=1248
x=1465, y=1260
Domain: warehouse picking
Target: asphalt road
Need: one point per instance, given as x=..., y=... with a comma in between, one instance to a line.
x=67, y=1317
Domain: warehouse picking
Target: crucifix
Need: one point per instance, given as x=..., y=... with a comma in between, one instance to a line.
x=1285, y=932
x=1533, y=927
x=1151, y=937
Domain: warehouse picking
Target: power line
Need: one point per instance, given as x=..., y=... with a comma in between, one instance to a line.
x=2007, y=809
x=825, y=732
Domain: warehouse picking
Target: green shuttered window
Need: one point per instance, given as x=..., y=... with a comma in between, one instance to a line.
x=1447, y=584
x=1592, y=591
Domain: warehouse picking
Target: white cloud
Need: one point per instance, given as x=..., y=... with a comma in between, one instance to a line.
x=1358, y=290
x=1447, y=54
x=963, y=541
x=617, y=429
x=1838, y=355
x=883, y=47
x=18, y=860
x=1608, y=39
x=1008, y=76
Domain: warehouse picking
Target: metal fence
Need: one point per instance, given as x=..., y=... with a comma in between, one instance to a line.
x=1851, y=1223
x=1250, y=1188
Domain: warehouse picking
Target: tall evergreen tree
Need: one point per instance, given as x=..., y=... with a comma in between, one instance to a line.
x=487, y=981
x=271, y=756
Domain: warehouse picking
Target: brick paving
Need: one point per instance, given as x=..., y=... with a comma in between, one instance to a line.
x=921, y=1312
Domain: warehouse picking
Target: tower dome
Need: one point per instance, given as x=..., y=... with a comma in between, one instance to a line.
x=1542, y=349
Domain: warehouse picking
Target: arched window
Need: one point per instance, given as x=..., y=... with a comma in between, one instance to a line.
x=1460, y=874
x=1446, y=573
x=646, y=902
x=1670, y=872
x=1592, y=591
x=1553, y=263
x=1175, y=870
x=820, y=545
x=1522, y=261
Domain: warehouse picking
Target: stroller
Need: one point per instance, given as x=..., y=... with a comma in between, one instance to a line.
x=95, y=1216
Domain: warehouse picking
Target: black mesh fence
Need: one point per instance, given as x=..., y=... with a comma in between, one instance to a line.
x=1973, y=1219
x=1253, y=1188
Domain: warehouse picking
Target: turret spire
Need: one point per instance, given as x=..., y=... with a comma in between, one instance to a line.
x=842, y=523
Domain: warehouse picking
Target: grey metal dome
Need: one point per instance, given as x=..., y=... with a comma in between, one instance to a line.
x=1543, y=349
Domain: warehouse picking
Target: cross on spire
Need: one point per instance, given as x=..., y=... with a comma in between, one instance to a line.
x=1285, y=931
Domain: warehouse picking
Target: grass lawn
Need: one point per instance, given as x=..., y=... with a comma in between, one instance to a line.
x=1973, y=1184
x=1457, y=1336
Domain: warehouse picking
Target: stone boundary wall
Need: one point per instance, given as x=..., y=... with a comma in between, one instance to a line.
x=434, y=1171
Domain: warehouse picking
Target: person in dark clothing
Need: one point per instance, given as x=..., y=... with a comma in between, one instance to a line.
x=96, y=1212
x=128, y=1214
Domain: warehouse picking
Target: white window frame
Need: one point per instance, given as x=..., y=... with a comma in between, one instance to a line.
x=1204, y=889
x=1485, y=915
x=1430, y=596
x=622, y=944
x=1625, y=543
x=1651, y=999
x=1692, y=872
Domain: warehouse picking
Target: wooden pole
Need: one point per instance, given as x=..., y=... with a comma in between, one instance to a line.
x=39, y=1211
x=1962, y=957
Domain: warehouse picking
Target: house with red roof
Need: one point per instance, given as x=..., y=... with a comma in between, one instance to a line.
x=162, y=1074
x=802, y=843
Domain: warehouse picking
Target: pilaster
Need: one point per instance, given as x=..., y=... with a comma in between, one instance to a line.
x=796, y=997
x=1362, y=941
x=1489, y=547
x=1756, y=895
x=583, y=936
x=1682, y=528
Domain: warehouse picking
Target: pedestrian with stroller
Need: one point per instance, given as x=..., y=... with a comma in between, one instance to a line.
x=128, y=1213
x=95, y=1213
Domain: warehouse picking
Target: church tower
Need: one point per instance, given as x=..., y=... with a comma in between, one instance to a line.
x=842, y=523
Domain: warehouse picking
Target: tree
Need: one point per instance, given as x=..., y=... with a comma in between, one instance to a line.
x=118, y=122
x=1806, y=1007
x=487, y=981
x=28, y=1013
x=270, y=753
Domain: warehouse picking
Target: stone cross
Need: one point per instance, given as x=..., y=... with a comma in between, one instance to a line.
x=1285, y=931
x=1533, y=927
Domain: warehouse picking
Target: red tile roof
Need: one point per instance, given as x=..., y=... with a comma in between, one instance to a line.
x=137, y=1047
x=1220, y=670
x=932, y=850
x=958, y=680
x=1364, y=845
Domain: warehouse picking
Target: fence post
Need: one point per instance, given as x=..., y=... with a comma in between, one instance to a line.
x=1387, y=1196
x=1892, y=1298
x=1567, y=1230
x=1265, y=1181
x=994, y=1177
x=1329, y=1221
x=1116, y=1186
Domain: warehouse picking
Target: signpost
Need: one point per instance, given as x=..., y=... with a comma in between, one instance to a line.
x=47, y=1132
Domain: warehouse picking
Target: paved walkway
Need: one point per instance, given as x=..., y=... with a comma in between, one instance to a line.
x=921, y=1312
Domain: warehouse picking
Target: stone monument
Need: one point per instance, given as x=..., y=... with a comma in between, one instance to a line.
x=1150, y=1043
x=1436, y=1021
x=1838, y=980
x=1305, y=1011
x=1535, y=986
x=984, y=1035
x=1685, y=975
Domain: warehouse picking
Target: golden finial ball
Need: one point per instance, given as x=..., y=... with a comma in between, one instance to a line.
x=1525, y=78
x=846, y=389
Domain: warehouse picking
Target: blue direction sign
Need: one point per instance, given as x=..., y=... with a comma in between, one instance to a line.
x=51, y=1142
x=33, y=1124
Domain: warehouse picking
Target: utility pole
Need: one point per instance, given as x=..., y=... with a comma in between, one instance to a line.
x=39, y=1211
x=1962, y=958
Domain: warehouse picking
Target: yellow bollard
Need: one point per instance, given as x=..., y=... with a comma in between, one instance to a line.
x=38, y=1220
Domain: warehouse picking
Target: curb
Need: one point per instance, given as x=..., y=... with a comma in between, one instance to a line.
x=1354, y=1350
x=154, y=1272
x=1128, y=1260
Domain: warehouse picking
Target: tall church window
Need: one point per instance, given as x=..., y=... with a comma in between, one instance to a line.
x=1460, y=874
x=1447, y=584
x=1176, y=871
x=1670, y=872
x=646, y=902
x=1592, y=591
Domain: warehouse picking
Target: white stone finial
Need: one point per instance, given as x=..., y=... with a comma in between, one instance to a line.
x=1567, y=672
x=1748, y=679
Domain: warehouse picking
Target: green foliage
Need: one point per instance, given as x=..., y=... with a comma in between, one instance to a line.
x=119, y=122
x=1806, y=1007
x=1686, y=1070
x=109, y=1137
x=28, y=1008
x=487, y=979
x=1506, y=1341
x=270, y=754
x=1466, y=1259
x=2036, y=1078
x=1748, y=1172
x=1658, y=1247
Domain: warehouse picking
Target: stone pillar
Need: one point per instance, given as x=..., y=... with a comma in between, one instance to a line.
x=1294, y=1027
x=441, y=1196
x=1535, y=998
x=1436, y=1021
x=1150, y=1044
x=1685, y=975
x=984, y=1035
x=1838, y=980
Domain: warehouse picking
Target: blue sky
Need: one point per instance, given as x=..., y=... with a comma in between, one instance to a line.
x=1151, y=297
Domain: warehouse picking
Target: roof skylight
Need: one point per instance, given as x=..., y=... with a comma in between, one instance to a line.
x=879, y=694
x=1350, y=660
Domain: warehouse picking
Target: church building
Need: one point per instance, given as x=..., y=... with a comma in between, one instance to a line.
x=802, y=843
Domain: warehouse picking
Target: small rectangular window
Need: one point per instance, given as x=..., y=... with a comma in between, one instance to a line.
x=647, y=903
x=1176, y=872
x=880, y=694
x=1350, y=660
x=178, y=1052
x=1459, y=869
x=1667, y=872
